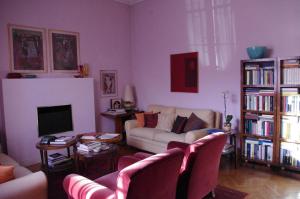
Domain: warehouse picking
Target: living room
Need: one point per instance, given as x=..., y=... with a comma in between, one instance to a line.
x=137, y=38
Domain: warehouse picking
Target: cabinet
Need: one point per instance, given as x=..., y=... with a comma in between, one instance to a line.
x=259, y=111
x=289, y=113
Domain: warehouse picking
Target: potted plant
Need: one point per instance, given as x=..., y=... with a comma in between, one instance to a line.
x=227, y=118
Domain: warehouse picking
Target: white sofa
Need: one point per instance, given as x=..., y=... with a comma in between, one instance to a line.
x=26, y=185
x=156, y=140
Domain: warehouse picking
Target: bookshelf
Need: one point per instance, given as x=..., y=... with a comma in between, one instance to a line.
x=259, y=111
x=289, y=113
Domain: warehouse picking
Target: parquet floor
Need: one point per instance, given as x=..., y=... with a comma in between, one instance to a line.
x=259, y=184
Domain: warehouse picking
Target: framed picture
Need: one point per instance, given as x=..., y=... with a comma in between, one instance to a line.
x=108, y=83
x=27, y=49
x=184, y=72
x=116, y=103
x=64, y=51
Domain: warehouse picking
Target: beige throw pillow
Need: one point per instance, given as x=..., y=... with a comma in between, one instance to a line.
x=165, y=121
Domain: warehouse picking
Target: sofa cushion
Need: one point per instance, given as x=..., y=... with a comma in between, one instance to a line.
x=193, y=123
x=6, y=173
x=6, y=160
x=140, y=120
x=21, y=171
x=165, y=121
x=161, y=109
x=147, y=133
x=151, y=120
x=179, y=124
x=109, y=180
x=167, y=137
x=205, y=115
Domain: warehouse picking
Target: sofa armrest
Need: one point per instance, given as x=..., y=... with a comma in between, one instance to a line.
x=130, y=124
x=192, y=136
x=175, y=144
x=27, y=187
x=79, y=187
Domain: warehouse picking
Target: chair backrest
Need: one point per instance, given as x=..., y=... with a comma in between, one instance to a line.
x=203, y=177
x=151, y=178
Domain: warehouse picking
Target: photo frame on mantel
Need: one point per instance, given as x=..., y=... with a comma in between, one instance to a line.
x=28, y=50
x=109, y=83
x=64, y=51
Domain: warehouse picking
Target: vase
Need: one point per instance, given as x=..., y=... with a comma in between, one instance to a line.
x=227, y=127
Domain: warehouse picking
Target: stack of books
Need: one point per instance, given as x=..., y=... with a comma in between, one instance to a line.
x=258, y=149
x=56, y=159
x=90, y=146
x=62, y=140
x=289, y=154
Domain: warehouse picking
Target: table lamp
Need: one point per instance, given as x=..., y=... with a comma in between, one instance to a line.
x=128, y=98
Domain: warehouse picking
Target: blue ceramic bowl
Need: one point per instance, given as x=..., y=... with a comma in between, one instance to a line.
x=256, y=52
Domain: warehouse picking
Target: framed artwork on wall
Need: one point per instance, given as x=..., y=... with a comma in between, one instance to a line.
x=116, y=103
x=108, y=83
x=184, y=72
x=27, y=49
x=64, y=51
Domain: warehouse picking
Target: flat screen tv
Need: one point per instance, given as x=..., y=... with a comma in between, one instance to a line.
x=54, y=119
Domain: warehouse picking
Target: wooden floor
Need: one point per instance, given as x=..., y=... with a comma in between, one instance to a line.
x=259, y=184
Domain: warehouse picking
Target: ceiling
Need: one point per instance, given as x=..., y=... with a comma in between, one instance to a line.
x=129, y=2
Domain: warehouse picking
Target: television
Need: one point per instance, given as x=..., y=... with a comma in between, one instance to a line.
x=54, y=119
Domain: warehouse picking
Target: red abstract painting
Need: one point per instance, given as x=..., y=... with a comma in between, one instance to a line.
x=184, y=72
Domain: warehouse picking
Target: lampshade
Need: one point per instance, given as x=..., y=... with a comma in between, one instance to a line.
x=128, y=94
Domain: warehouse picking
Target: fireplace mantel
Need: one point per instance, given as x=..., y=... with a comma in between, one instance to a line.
x=21, y=97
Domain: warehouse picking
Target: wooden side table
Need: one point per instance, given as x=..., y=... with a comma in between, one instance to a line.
x=44, y=148
x=120, y=119
x=232, y=134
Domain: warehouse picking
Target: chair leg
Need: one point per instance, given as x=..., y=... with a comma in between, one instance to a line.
x=213, y=194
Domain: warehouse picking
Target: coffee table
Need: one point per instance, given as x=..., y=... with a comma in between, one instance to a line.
x=91, y=163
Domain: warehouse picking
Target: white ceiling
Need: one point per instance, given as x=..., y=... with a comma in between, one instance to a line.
x=129, y=2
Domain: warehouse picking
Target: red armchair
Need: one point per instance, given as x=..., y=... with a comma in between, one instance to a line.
x=151, y=178
x=200, y=165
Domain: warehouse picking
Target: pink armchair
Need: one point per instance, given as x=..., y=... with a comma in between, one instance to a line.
x=200, y=165
x=151, y=178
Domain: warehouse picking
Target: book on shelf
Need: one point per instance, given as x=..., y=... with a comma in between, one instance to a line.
x=258, y=149
x=259, y=99
x=256, y=75
x=262, y=125
x=290, y=128
x=291, y=75
x=291, y=63
x=290, y=154
x=57, y=158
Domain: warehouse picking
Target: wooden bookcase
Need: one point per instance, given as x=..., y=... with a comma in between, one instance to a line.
x=289, y=113
x=270, y=112
x=259, y=111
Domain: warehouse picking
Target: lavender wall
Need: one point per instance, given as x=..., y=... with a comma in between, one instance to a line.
x=104, y=27
x=220, y=30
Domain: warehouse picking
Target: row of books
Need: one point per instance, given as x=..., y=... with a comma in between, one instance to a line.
x=258, y=149
x=290, y=100
x=290, y=154
x=256, y=75
x=57, y=159
x=291, y=75
x=259, y=125
x=290, y=128
x=259, y=100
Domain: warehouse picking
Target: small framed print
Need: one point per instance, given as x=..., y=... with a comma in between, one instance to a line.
x=108, y=83
x=64, y=51
x=116, y=103
x=27, y=49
